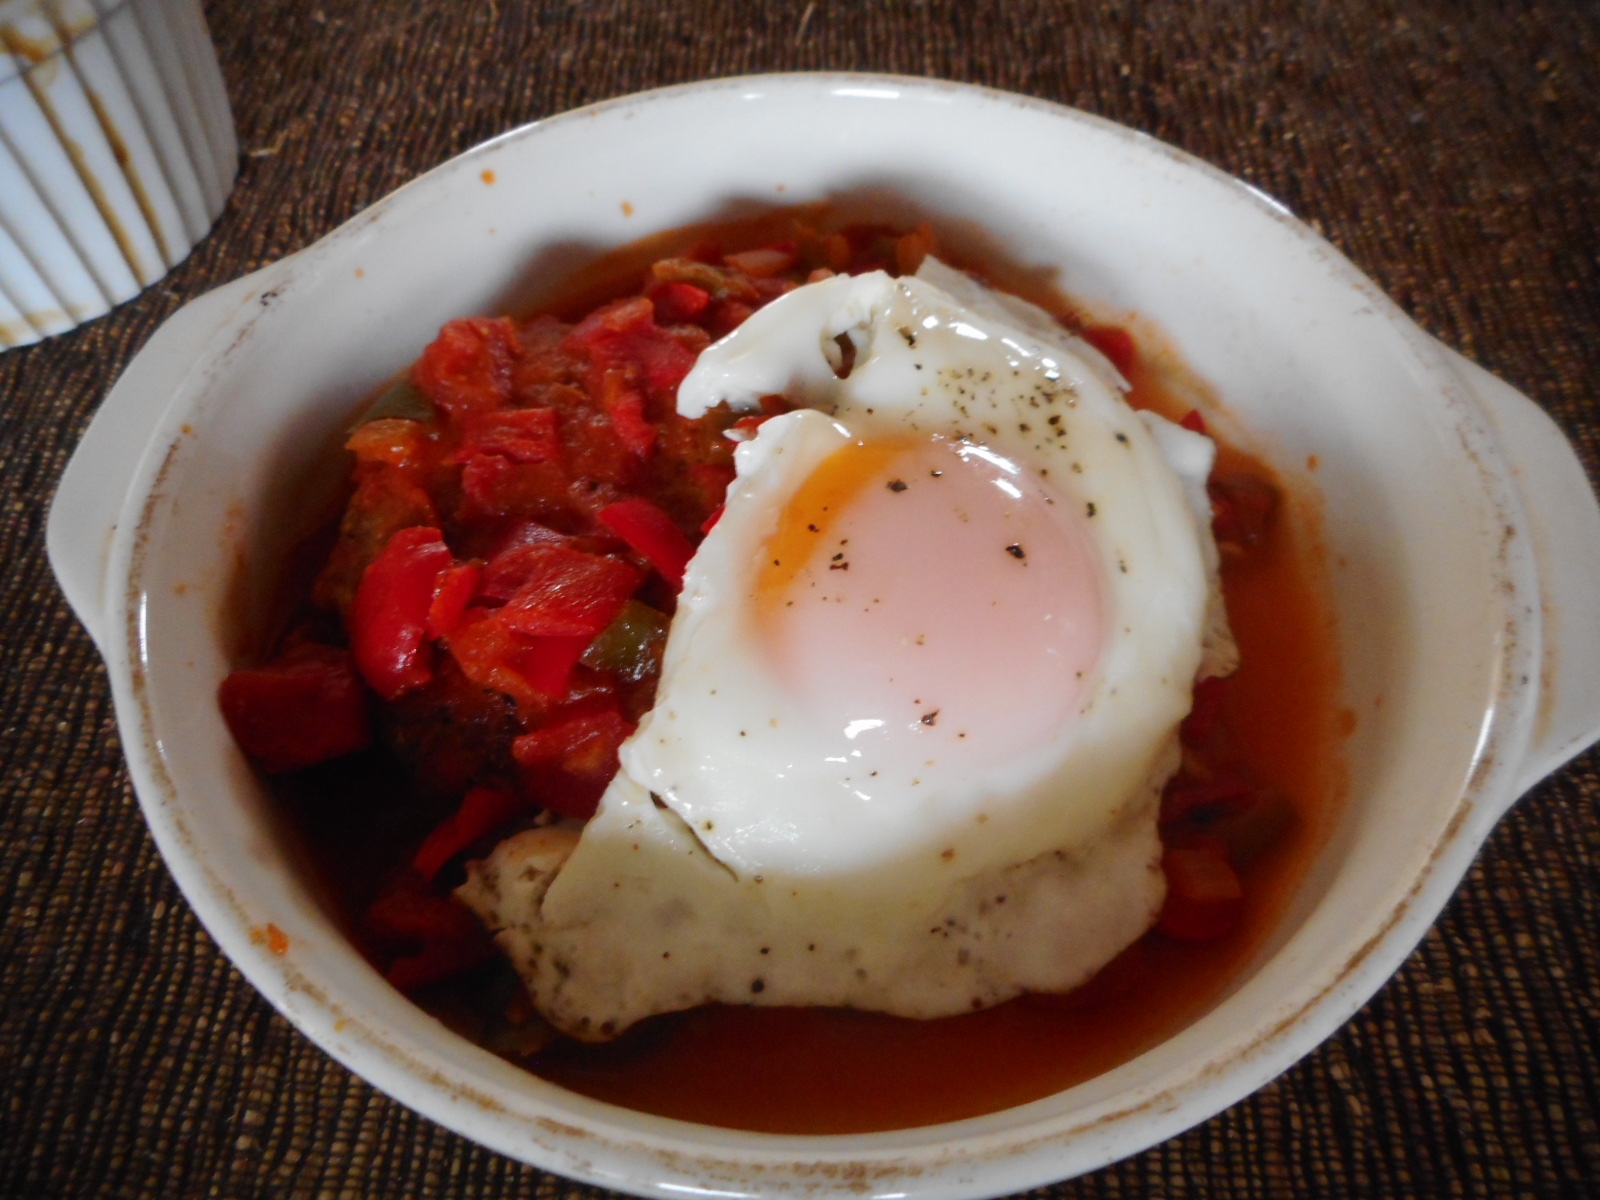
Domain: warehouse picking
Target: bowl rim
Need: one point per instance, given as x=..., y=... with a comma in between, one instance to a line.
x=660, y=1156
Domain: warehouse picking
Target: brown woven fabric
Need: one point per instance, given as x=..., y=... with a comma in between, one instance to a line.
x=1451, y=149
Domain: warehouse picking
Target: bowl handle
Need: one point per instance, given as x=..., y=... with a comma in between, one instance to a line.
x=94, y=488
x=1564, y=519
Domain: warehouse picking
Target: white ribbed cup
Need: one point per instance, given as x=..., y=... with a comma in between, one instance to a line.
x=117, y=152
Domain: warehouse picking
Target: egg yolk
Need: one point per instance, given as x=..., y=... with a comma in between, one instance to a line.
x=931, y=605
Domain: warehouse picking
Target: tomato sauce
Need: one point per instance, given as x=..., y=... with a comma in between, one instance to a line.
x=1277, y=724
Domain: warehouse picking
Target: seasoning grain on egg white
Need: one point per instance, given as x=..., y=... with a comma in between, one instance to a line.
x=922, y=691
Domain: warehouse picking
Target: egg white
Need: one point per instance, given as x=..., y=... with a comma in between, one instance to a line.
x=737, y=857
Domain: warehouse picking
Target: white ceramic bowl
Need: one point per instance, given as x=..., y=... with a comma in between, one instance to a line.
x=1466, y=537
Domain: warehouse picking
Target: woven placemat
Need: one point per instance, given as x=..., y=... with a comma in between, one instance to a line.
x=1451, y=149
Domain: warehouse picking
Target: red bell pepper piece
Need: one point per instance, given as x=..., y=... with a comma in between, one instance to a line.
x=388, y=621
x=652, y=534
x=564, y=592
x=482, y=811
x=302, y=708
x=1243, y=508
x=768, y=260
x=467, y=369
x=428, y=937
x=546, y=663
x=524, y=435
x=453, y=590
x=625, y=335
x=628, y=422
x=725, y=316
x=1115, y=343
x=713, y=481
x=675, y=301
x=1193, y=421
x=1205, y=900
x=569, y=763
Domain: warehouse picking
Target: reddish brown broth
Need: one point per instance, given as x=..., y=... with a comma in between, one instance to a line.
x=819, y=1071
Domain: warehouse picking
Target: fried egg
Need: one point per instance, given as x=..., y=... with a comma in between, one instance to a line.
x=922, y=690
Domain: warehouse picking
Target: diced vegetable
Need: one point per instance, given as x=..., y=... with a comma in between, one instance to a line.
x=767, y=261
x=388, y=621
x=1205, y=900
x=467, y=368
x=717, y=282
x=625, y=336
x=524, y=435
x=429, y=937
x=631, y=645
x=570, y=761
x=391, y=441
x=401, y=400
x=546, y=663
x=676, y=301
x=1242, y=510
x=482, y=811
x=453, y=590
x=651, y=533
x=1115, y=343
x=302, y=708
x=566, y=592
x=626, y=410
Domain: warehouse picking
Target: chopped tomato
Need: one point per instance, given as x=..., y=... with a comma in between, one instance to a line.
x=487, y=652
x=626, y=410
x=765, y=262
x=467, y=369
x=675, y=301
x=391, y=441
x=492, y=485
x=625, y=335
x=1193, y=421
x=302, y=708
x=388, y=621
x=570, y=762
x=562, y=592
x=453, y=590
x=427, y=937
x=1205, y=900
x=523, y=435
x=483, y=810
x=651, y=533
x=1115, y=343
x=546, y=663
x=726, y=316
x=1242, y=509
